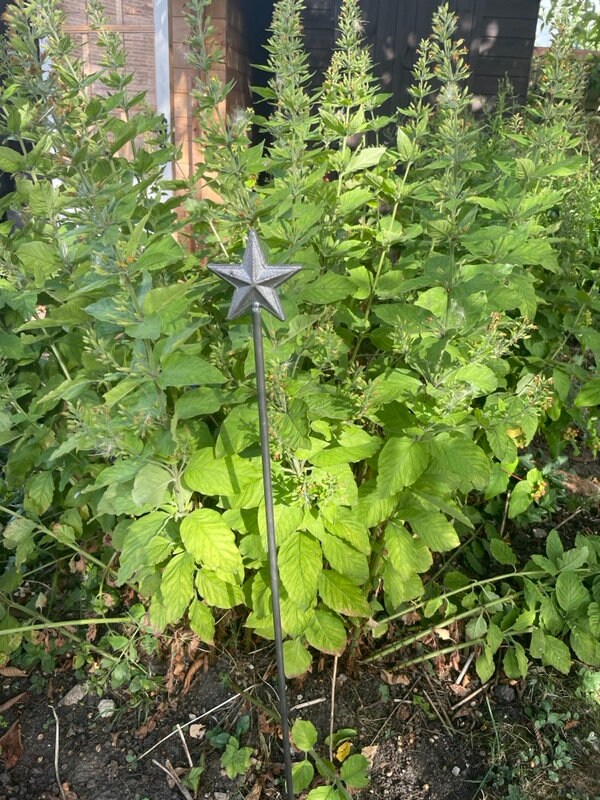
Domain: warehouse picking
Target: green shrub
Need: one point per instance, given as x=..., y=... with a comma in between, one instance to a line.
x=405, y=382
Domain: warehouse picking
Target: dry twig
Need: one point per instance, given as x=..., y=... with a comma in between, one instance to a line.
x=332, y=712
x=185, y=747
x=167, y=768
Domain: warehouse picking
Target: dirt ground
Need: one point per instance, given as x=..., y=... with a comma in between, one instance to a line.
x=413, y=755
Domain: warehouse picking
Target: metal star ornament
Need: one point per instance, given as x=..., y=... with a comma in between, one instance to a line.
x=254, y=280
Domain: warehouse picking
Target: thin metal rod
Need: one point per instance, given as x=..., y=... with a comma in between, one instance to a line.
x=259, y=360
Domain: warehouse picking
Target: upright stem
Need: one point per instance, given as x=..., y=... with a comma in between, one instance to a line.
x=259, y=360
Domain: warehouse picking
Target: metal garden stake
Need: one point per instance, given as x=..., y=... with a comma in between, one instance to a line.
x=255, y=283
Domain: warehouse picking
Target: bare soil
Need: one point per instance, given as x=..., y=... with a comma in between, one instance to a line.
x=413, y=755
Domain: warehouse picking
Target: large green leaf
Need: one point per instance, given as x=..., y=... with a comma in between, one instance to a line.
x=326, y=633
x=354, y=772
x=407, y=554
x=11, y=160
x=180, y=369
x=202, y=621
x=345, y=559
x=300, y=564
x=401, y=462
x=457, y=458
x=150, y=485
x=296, y=658
x=347, y=525
x=294, y=620
x=556, y=654
x=39, y=491
x=341, y=595
x=238, y=431
x=434, y=530
x=211, y=541
x=570, y=592
x=303, y=773
x=177, y=587
x=365, y=158
x=589, y=395
x=216, y=591
x=221, y=476
x=304, y=735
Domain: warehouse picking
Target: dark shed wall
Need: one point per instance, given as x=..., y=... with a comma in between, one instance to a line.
x=499, y=34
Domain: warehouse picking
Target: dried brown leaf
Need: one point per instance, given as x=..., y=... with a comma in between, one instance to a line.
x=197, y=730
x=255, y=792
x=191, y=673
x=18, y=698
x=394, y=678
x=12, y=672
x=11, y=745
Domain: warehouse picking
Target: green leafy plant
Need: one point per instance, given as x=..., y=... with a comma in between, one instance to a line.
x=428, y=336
x=341, y=781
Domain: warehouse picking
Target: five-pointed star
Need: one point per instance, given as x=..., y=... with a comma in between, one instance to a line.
x=254, y=280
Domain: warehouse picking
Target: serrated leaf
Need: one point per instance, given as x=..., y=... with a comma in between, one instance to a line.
x=485, y=665
x=236, y=760
x=180, y=369
x=326, y=633
x=303, y=773
x=142, y=546
x=554, y=546
x=345, y=559
x=300, y=564
x=502, y=552
x=401, y=462
x=39, y=491
x=341, y=595
x=585, y=646
x=556, y=654
x=304, y=735
x=221, y=476
x=434, y=530
x=202, y=621
x=365, y=158
x=407, y=554
x=460, y=459
x=354, y=772
x=594, y=618
x=589, y=395
x=177, y=587
x=211, y=541
x=570, y=592
x=218, y=592
x=573, y=559
x=296, y=658
x=150, y=485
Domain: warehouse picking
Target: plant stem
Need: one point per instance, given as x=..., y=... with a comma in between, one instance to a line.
x=444, y=624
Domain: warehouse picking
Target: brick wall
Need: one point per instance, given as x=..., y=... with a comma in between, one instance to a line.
x=134, y=20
